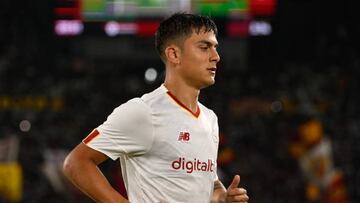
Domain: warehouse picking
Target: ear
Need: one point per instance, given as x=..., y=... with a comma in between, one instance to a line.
x=172, y=54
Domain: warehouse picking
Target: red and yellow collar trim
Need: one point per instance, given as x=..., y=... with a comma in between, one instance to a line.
x=195, y=114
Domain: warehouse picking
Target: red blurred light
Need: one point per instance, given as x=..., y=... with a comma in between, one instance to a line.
x=238, y=29
x=74, y=13
x=262, y=7
x=147, y=28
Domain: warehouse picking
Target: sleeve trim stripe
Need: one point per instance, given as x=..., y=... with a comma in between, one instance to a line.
x=91, y=136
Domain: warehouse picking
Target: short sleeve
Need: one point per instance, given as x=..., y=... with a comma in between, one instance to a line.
x=127, y=130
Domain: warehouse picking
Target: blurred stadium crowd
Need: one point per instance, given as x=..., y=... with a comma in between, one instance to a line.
x=289, y=120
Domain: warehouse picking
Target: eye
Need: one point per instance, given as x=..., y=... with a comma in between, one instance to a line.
x=204, y=48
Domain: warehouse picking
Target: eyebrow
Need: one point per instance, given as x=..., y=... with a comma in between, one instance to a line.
x=208, y=43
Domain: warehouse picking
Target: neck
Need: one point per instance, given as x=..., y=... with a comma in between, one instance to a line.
x=185, y=93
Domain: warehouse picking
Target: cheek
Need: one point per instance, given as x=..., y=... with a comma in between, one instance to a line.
x=195, y=61
x=194, y=68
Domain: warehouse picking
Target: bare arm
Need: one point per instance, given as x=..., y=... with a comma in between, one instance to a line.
x=219, y=192
x=80, y=167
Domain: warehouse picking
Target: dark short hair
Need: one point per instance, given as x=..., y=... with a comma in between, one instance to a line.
x=179, y=26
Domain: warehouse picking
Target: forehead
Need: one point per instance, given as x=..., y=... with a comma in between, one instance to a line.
x=202, y=36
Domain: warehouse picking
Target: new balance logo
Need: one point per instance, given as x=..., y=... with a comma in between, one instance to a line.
x=184, y=136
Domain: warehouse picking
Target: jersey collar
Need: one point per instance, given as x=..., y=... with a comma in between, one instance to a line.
x=177, y=101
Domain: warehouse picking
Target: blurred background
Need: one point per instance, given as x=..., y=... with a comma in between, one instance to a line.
x=286, y=91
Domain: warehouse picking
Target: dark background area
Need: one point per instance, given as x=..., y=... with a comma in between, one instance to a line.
x=312, y=59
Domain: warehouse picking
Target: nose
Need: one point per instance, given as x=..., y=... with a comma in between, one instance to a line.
x=215, y=56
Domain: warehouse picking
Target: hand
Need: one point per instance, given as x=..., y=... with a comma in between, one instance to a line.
x=235, y=194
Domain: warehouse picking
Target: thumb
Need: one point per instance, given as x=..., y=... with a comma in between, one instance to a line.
x=235, y=183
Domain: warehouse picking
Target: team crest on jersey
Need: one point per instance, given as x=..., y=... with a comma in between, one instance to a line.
x=184, y=136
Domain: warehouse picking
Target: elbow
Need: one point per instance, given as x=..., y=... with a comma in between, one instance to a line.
x=68, y=166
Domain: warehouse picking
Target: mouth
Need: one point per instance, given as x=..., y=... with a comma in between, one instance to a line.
x=212, y=70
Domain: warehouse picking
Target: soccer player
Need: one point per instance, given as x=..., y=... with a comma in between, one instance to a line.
x=167, y=141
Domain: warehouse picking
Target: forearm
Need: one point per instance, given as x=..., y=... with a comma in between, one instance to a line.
x=89, y=179
x=219, y=193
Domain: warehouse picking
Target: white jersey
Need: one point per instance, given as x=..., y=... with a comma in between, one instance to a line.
x=166, y=151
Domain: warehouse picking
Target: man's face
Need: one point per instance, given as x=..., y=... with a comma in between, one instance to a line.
x=198, y=59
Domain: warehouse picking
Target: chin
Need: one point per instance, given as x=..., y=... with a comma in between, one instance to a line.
x=208, y=83
x=212, y=81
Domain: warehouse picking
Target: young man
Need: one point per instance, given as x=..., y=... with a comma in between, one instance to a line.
x=166, y=140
